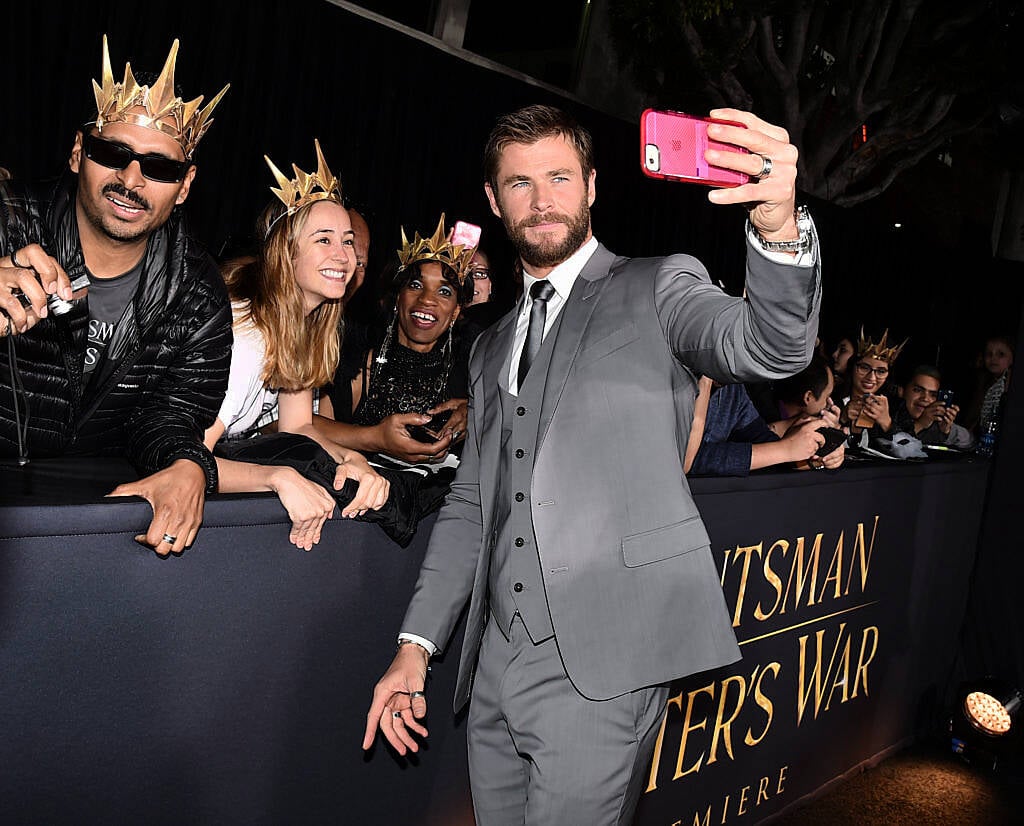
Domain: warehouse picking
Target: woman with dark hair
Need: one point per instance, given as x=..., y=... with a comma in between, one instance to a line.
x=384, y=388
x=286, y=306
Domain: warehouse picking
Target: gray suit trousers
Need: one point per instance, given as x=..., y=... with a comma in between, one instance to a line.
x=541, y=754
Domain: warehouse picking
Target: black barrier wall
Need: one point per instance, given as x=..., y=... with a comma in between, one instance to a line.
x=230, y=685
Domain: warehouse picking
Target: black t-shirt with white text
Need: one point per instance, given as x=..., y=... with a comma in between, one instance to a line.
x=108, y=298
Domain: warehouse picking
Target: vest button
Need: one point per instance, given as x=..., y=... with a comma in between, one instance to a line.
x=519, y=542
x=520, y=453
x=520, y=411
x=520, y=497
x=518, y=587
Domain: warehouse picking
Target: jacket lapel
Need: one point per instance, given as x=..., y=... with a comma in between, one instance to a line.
x=572, y=325
x=496, y=359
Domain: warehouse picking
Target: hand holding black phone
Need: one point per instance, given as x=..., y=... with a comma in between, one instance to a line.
x=431, y=431
x=833, y=438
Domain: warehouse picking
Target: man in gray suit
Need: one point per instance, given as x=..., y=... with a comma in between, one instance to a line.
x=570, y=527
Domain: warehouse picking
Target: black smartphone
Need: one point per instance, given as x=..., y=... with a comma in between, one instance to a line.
x=431, y=431
x=946, y=397
x=833, y=438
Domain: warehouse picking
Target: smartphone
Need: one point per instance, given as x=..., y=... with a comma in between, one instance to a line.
x=864, y=420
x=466, y=234
x=431, y=431
x=946, y=397
x=672, y=148
x=833, y=438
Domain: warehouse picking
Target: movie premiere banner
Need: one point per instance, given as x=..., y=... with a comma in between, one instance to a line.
x=846, y=600
x=230, y=685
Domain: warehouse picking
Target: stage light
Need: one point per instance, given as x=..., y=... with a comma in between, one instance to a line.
x=986, y=721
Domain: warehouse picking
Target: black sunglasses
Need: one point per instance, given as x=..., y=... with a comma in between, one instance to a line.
x=118, y=156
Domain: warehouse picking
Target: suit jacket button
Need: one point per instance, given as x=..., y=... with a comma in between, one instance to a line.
x=520, y=411
x=519, y=542
x=520, y=497
x=518, y=587
x=520, y=453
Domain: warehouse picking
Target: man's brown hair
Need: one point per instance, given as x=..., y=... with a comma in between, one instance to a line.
x=529, y=125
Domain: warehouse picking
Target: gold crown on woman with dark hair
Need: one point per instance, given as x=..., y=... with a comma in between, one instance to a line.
x=866, y=348
x=305, y=187
x=165, y=111
x=435, y=248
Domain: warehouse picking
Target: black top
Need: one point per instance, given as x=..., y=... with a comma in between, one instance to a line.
x=407, y=382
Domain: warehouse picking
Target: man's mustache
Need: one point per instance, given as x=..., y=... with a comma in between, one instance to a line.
x=126, y=194
x=550, y=218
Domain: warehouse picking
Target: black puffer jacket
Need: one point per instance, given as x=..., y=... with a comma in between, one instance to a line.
x=165, y=372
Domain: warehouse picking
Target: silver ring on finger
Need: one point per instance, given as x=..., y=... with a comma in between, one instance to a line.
x=170, y=540
x=16, y=262
x=766, y=168
x=397, y=715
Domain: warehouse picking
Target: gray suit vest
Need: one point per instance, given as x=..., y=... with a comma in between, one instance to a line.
x=516, y=584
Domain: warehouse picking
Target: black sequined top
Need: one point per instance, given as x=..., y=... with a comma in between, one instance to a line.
x=408, y=382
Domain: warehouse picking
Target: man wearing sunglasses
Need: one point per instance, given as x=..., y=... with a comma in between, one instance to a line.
x=139, y=368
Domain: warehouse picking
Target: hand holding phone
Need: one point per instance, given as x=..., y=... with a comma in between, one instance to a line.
x=672, y=146
x=834, y=437
x=431, y=431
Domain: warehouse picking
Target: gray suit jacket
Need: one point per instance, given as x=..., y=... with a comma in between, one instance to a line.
x=631, y=587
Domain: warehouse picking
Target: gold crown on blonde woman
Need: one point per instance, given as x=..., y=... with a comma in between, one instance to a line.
x=164, y=110
x=866, y=348
x=436, y=248
x=305, y=187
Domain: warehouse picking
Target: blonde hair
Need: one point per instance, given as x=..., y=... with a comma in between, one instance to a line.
x=301, y=351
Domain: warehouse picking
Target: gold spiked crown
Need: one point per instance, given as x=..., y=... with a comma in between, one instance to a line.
x=165, y=111
x=305, y=187
x=866, y=348
x=435, y=248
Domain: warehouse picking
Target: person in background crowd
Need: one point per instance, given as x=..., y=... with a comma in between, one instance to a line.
x=361, y=236
x=287, y=304
x=140, y=368
x=844, y=350
x=807, y=393
x=737, y=440
x=571, y=559
x=867, y=408
x=480, y=272
x=484, y=309
x=417, y=368
x=922, y=414
x=992, y=384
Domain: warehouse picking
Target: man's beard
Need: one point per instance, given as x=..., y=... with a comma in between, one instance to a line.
x=114, y=230
x=550, y=253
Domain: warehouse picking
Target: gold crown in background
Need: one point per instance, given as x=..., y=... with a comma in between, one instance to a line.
x=305, y=187
x=866, y=348
x=436, y=248
x=165, y=111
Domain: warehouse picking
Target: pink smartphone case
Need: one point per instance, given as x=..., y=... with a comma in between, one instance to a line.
x=466, y=234
x=672, y=148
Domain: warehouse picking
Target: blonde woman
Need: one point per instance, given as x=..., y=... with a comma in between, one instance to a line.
x=287, y=303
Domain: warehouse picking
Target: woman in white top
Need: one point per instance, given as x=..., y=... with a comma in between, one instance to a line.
x=287, y=303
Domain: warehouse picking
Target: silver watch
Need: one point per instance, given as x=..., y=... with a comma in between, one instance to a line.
x=805, y=227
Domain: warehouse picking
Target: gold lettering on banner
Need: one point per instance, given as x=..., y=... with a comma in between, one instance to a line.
x=734, y=694
x=789, y=576
x=767, y=786
x=824, y=683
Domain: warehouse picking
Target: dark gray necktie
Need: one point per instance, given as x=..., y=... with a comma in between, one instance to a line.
x=540, y=292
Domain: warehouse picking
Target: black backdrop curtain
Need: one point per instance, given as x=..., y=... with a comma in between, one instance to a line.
x=403, y=124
